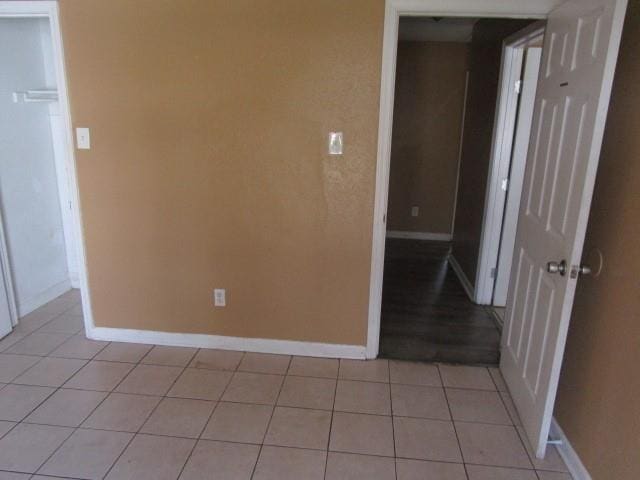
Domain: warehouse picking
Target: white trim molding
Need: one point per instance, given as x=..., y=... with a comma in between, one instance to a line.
x=258, y=345
x=436, y=237
x=49, y=294
x=464, y=280
x=576, y=468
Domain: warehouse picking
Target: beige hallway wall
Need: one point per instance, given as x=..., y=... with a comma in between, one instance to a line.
x=427, y=119
x=597, y=405
x=209, y=165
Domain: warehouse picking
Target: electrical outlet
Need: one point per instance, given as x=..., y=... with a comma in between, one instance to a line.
x=220, y=297
x=415, y=211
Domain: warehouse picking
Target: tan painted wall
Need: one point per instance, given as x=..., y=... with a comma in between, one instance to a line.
x=597, y=405
x=484, y=73
x=208, y=166
x=429, y=99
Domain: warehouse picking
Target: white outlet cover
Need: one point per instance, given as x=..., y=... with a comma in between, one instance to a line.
x=219, y=297
x=415, y=211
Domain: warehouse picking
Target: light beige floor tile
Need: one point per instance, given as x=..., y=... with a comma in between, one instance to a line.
x=27, y=447
x=253, y=388
x=494, y=445
x=511, y=408
x=123, y=352
x=419, y=401
x=179, y=417
x=264, y=363
x=97, y=375
x=552, y=460
x=169, y=356
x=307, y=392
x=228, y=461
x=477, y=406
x=479, y=472
x=543, y=475
x=17, y=401
x=462, y=376
x=12, y=366
x=21, y=476
x=87, y=454
x=414, y=373
x=299, y=427
x=358, y=433
x=10, y=340
x=348, y=466
x=77, y=311
x=423, y=470
x=501, y=386
x=50, y=372
x=39, y=343
x=151, y=457
x=200, y=384
x=280, y=463
x=217, y=359
x=238, y=422
x=5, y=427
x=424, y=439
x=65, y=323
x=367, y=370
x=66, y=408
x=79, y=346
x=314, y=367
x=122, y=412
x=363, y=397
x=149, y=380
x=36, y=319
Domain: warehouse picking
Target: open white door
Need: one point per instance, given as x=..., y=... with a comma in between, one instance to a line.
x=574, y=87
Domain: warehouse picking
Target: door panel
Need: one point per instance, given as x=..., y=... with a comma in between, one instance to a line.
x=578, y=58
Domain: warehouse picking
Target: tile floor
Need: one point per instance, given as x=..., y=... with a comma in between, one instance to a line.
x=79, y=409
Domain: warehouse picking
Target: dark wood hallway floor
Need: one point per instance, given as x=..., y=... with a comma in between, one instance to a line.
x=426, y=314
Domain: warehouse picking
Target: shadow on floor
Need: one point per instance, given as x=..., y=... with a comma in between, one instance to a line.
x=426, y=314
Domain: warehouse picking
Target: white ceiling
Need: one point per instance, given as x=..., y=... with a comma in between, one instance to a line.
x=430, y=29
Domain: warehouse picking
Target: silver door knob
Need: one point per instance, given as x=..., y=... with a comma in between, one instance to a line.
x=557, y=267
x=580, y=270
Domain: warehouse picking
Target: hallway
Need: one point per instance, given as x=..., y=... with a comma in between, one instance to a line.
x=426, y=314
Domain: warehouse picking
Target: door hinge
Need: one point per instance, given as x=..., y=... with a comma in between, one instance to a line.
x=70, y=206
x=504, y=185
x=492, y=274
x=518, y=86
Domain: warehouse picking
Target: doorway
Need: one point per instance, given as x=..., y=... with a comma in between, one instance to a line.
x=450, y=75
x=42, y=260
x=578, y=57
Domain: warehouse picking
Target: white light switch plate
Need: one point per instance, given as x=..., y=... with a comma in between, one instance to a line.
x=335, y=143
x=83, y=138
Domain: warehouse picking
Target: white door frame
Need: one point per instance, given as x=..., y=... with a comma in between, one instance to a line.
x=393, y=10
x=501, y=148
x=49, y=9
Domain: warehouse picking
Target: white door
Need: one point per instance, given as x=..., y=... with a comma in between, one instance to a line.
x=516, y=175
x=578, y=61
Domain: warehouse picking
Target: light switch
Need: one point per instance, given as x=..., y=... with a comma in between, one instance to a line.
x=83, y=139
x=335, y=143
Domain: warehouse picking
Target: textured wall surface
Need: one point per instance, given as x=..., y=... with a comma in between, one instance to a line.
x=209, y=165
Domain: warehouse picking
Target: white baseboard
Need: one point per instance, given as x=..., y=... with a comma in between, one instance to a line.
x=258, y=345
x=438, y=237
x=39, y=300
x=565, y=449
x=466, y=284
